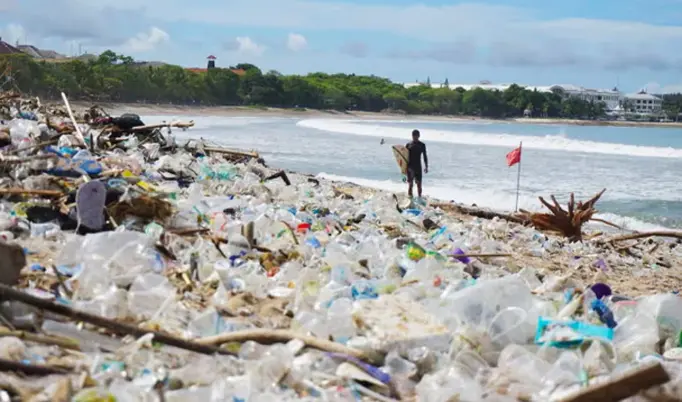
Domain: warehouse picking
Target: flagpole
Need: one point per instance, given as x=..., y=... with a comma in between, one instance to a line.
x=518, y=177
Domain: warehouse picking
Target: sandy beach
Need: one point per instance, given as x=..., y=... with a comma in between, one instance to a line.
x=248, y=111
x=559, y=262
x=206, y=250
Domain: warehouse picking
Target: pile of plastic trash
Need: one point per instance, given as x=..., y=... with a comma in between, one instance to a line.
x=139, y=269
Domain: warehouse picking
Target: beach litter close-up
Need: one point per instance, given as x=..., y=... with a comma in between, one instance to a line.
x=139, y=267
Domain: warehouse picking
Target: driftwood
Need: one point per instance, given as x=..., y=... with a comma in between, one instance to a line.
x=634, y=236
x=624, y=386
x=279, y=175
x=177, y=124
x=479, y=213
x=38, y=145
x=234, y=152
x=65, y=343
x=189, y=231
x=270, y=336
x=566, y=222
x=8, y=293
x=30, y=369
x=12, y=160
x=24, y=191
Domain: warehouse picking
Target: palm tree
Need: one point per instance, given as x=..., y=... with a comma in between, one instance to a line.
x=626, y=105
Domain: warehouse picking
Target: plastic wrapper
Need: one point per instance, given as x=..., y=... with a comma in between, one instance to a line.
x=636, y=335
x=109, y=257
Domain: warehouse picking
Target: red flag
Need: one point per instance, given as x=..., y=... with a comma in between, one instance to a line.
x=514, y=157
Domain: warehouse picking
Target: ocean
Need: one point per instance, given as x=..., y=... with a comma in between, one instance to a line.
x=638, y=166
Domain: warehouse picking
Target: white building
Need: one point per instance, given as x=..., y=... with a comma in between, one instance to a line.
x=615, y=101
x=643, y=103
x=611, y=98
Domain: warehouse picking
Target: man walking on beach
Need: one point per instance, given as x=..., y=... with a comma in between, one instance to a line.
x=416, y=149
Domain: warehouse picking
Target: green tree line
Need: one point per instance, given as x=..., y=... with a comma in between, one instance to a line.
x=117, y=78
x=672, y=105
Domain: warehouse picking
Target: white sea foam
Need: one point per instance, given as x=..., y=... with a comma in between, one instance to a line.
x=549, y=142
x=287, y=146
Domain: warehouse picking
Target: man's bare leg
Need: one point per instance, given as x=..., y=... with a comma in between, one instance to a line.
x=410, y=183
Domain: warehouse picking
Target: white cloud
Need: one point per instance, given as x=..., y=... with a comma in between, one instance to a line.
x=146, y=41
x=486, y=24
x=246, y=46
x=656, y=88
x=503, y=35
x=13, y=33
x=296, y=42
x=441, y=23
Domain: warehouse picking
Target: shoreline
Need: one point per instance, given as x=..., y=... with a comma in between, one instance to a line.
x=249, y=111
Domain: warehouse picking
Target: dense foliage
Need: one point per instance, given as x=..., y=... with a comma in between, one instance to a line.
x=672, y=105
x=117, y=78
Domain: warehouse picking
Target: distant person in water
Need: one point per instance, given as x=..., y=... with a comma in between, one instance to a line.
x=416, y=149
x=382, y=142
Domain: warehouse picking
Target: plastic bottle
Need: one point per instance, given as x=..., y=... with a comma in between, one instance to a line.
x=154, y=230
x=340, y=320
x=364, y=289
x=48, y=229
x=604, y=313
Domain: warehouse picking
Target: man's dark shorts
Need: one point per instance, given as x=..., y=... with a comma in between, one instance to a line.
x=414, y=173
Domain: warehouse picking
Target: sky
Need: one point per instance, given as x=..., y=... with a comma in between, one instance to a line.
x=632, y=44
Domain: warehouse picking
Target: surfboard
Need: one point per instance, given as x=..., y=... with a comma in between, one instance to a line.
x=402, y=157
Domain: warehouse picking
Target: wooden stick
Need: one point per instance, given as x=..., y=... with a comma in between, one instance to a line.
x=38, y=145
x=250, y=154
x=177, y=124
x=605, y=222
x=79, y=134
x=624, y=386
x=25, y=191
x=446, y=206
x=65, y=343
x=677, y=235
x=190, y=231
x=474, y=255
x=8, y=293
x=16, y=161
x=270, y=336
x=62, y=284
x=30, y=369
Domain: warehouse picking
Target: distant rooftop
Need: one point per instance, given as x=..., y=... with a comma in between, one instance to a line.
x=83, y=57
x=643, y=96
x=6, y=48
x=40, y=53
x=487, y=85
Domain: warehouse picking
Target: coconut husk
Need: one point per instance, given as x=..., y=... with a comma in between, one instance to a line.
x=144, y=207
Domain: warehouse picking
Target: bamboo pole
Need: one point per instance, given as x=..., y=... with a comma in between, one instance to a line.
x=65, y=343
x=634, y=236
x=24, y=191
x=30, y=369
x=250, y=154
x=270, y=336
x=8, y=293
